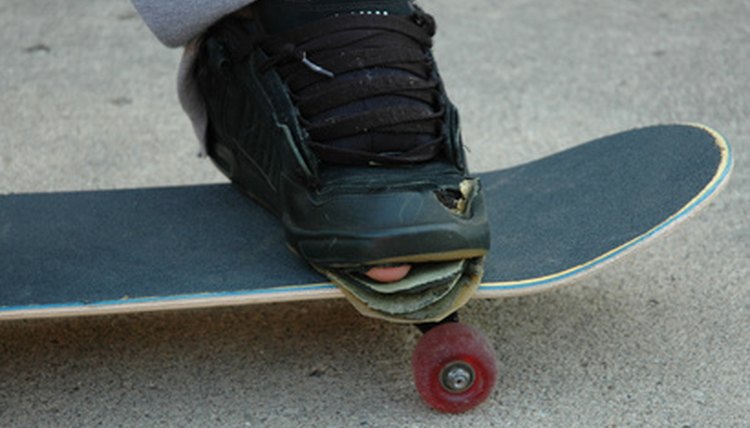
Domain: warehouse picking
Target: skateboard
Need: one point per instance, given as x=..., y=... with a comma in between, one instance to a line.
x=552, y=220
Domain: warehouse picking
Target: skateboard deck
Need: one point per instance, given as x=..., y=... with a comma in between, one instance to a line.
x=553, y=220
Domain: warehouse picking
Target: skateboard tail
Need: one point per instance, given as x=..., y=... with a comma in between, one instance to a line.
x=499, y=289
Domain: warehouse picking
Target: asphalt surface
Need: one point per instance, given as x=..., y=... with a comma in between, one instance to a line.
x=660, y=338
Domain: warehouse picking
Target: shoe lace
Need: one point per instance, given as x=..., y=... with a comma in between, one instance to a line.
x=365, y=87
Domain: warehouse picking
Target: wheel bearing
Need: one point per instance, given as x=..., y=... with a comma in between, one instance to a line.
x=457, y=376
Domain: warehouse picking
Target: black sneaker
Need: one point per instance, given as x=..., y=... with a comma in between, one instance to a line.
x=332, y=114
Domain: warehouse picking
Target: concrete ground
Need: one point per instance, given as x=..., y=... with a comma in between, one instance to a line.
x=661, y=338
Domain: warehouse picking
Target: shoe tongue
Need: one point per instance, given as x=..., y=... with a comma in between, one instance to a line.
x=282, y=15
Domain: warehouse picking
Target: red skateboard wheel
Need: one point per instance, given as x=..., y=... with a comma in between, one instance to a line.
x=454, y=367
